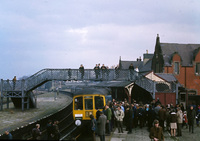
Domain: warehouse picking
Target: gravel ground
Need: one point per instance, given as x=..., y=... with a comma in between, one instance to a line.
x=13, y=118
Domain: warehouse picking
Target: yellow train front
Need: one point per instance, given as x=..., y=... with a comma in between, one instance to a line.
x=87, y=101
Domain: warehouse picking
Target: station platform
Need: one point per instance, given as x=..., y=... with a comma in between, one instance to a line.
x=13, y=118
x=139, y=134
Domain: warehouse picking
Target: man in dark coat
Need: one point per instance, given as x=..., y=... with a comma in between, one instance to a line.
x=140, y=115
x=49, y=128
x=151, y=117
x=36, y=132
x=81, y=70
x=191, y=117
x=96, y=70
x=162, y=116
x=129, y=118
x=101, y=125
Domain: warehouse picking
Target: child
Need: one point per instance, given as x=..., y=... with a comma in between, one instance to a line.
x=185, y=120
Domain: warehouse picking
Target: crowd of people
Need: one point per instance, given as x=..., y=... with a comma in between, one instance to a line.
x=157, y=117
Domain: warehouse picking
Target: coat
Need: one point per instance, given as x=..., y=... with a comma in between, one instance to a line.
x=191, y=116
x=119, y=115
x=156, y=133
x=162, y=114
x=179, y=116
x=173, y=117
x=108, y=113
x=101, y=124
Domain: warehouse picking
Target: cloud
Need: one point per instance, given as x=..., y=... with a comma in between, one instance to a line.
x=44, y=34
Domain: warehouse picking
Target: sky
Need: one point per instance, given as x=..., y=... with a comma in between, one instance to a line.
x=39, y=34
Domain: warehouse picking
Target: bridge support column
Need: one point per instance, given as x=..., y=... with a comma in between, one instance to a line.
x=7, y=102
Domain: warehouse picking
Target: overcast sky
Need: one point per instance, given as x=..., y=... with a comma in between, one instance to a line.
x=38, y=34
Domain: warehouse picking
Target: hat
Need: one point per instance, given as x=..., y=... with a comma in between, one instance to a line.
x=155, y=122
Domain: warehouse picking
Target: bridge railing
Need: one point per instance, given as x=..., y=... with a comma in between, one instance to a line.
x=45, y=75
x=75, y=74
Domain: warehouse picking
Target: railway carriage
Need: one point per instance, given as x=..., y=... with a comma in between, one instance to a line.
x=87, y=101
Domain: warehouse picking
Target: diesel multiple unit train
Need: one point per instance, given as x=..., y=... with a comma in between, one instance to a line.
x=87, y=101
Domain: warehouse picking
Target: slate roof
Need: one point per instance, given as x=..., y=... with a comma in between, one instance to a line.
x=148, y=56
x=126, y=64
x=186, y=51
x=146, y=67
x=167, y=76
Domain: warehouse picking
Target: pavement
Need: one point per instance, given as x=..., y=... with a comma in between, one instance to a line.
x=139, y=134
x=12, y=118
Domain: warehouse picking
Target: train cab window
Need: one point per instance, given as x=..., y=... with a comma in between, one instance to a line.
x=99, y=102
x=78, y=103
x=88, y=104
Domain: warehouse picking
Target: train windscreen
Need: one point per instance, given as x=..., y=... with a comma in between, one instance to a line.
x=78, y=103
x=88, y=104
x=99, y=102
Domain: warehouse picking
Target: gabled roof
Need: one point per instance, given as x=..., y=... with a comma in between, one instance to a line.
x=167, y=76
x=186, y=52
x=146, y=67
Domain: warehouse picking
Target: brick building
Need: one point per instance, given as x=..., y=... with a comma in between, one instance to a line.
x=183, y=61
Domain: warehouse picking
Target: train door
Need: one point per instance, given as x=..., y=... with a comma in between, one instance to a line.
x=88, y=103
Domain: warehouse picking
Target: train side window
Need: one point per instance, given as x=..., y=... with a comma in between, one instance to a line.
x=99, y=102
x=78, y=103
x=88, y=104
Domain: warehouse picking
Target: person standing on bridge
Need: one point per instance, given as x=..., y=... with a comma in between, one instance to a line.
x=81, y=70
x=96, y=70
x=14, y=82
x=103, y=69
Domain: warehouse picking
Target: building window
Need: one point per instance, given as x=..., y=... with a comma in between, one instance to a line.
x=176, y=67
x=197, y=69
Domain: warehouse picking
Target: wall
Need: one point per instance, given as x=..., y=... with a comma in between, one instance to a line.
x=187, y=76
x=166, y=98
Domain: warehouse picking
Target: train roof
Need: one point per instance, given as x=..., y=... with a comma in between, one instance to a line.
x=87, y=91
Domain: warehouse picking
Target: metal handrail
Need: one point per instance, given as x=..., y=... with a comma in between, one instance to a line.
x=45, y=75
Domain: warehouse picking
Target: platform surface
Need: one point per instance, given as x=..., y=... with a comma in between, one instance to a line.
x=13, y=118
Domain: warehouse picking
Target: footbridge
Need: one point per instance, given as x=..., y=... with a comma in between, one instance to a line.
x=20, y=91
